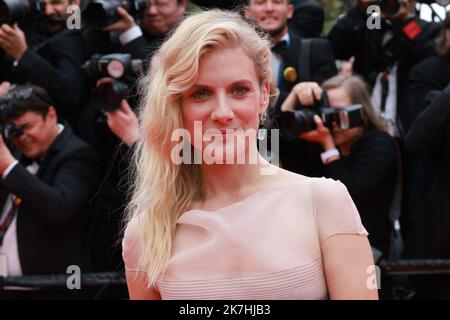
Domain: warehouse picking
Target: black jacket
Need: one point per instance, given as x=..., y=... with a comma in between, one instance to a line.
x=53, y=220
x=307, y=20
x=369, y=173
x=351, y=37
x=54, y=65
x=429, y=138
x=431, y=74
x=322, y=65
x=297, y=155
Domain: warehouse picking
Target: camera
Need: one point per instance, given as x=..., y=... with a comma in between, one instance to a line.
x=12, y=11
x=8, y=130
x=100, y=13
x=294, y=122
x=115, y=65
x=120, y=67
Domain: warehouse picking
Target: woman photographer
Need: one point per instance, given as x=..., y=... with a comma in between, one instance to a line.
x=363, y=158
x=429, y=140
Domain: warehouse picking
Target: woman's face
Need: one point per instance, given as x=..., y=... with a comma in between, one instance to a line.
x=226, y=97
x=339, y=98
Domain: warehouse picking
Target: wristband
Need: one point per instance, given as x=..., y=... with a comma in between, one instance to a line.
x=328, y=154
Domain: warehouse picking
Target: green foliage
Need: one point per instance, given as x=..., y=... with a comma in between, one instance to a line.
x=333, y=10
x=191, y=7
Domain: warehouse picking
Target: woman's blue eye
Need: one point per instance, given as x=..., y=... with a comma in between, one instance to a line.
x=201, y=94
x=240, y=91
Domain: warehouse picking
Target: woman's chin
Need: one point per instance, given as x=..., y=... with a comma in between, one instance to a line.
x=226, y=152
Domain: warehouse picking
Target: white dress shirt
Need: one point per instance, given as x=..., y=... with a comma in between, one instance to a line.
x=390, y=113
x=275, y=62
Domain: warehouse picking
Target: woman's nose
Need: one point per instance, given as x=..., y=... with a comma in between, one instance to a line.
x=222, y=112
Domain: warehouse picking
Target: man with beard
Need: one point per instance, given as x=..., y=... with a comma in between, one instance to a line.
x=294, y=60
x=53, y=63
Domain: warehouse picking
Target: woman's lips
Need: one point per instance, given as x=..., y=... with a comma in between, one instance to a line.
x=218, y=134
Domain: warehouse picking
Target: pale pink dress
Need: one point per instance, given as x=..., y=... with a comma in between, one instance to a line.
x=267, y=246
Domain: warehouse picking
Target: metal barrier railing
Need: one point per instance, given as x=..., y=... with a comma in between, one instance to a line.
x=100, y=283
x=415, y=267
x=87, y=280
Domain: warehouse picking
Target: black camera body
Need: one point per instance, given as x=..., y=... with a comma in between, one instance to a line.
x=295, y=122
x=115, y=65
x=100, y=13
x=8, y=130
x=122, y=68
x=12, y=11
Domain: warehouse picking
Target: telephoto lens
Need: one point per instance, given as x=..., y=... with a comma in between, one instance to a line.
x=121, y=69
x=12, y=11
x=292, y=123
x=108, y=96
x=100, y=13
x=115, y=65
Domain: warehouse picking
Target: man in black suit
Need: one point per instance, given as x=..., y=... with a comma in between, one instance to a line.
x=52, y=62
x=307, y=20
x=294, y=60
x=45, y=193
x=141, y=41
x=385, y=56
x=158, y=19
x=272, y=17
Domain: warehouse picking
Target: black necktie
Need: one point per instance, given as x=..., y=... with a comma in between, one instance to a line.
x=27, y=161
x=281, y=48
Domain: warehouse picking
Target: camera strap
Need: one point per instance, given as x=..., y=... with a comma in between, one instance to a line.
x=384, y=89
x=9, y=217
x=304, y=61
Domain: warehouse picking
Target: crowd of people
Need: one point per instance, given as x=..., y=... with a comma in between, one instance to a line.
x=367, y=107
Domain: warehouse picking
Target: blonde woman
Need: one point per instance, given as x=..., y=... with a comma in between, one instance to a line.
x=213, y=230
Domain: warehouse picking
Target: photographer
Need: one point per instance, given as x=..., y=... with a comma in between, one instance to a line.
x=307, y=20
x=385, y=56
x=156, y=21
x=294, y=60
x=109, y=124
x=44, y=194
x=363, y=157
x=53, y=63
x=429, y=140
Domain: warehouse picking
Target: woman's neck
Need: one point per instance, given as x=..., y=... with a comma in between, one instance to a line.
x=232, y=181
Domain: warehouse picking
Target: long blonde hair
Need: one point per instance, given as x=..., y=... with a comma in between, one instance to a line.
x=162, y=190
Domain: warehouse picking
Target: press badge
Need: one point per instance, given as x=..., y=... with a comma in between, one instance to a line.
x=3, y=265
